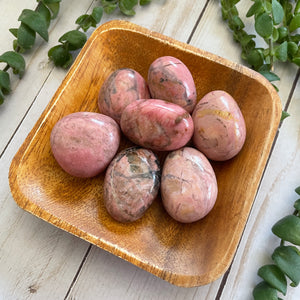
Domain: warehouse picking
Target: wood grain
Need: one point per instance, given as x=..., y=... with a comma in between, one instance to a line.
x=185, y=255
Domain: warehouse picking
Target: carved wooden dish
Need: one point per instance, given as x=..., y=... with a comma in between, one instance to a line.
x=183, y=254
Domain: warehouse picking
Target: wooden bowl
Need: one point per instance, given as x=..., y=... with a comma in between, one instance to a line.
x=183, y=254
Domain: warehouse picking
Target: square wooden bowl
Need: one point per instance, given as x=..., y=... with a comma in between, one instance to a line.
x=183, y=254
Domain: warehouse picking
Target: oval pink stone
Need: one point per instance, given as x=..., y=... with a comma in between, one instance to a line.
x=84, y=143
x=170, y=79
x=122, y=87
x=220, y=129
x=157, y=124
x=188, y=185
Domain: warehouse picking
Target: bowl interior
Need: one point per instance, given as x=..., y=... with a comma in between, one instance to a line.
x=183, y=254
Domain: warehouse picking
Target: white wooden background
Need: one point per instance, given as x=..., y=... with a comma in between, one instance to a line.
x=39, y=261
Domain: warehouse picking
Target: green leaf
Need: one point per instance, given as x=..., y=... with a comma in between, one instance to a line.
x=25, y=37
x=296, y=60
x=263, y=291
x=255, y=58
x=297, y=204
x=15, y=61
x=84, y=22
x=297, y=190
x=60, y=56
x=110, y=8
x=274, y=277
x=288, y=229
x=269, y=75
x=297, y=7
x=295, y=38
x=275, y=34
x=54, y=8
x=35, y=21
x=126, y=7
x=264, y=25
x=292, y=48
x=287, y=258
x=284, y=115
x=14, y=32
x=256, y=8
x=43, y=10
x=4, y=82
x=283, y=32
x=281, y=52
x=97, y=14
x=75, y=39
x=277, y=12
x=295, y=23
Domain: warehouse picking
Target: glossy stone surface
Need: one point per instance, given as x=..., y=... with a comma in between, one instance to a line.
x=131, y=184
x=122, y=87
x=169, y=79
x=157, y=124
x=188, y=185
x=84, y=143
x=220, y=129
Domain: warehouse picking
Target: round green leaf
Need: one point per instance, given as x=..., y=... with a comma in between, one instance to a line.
x=4, y=82
x=97, y=14
x=109, y=8
x=84, y=22
x=126, y=7
x=275, y=34
x=25, y=36
x=297, y=7
x=75, y=39
x=15, y=61
x=54, y=8
x=263, y=291
x=59, y=55
x=274, y=277
x=283, y=32
x=281, y=52
x=255, y=58
x=297, y=190
x=35, y=21
x=255, y=8
x=297, y=204
x=277, y=12
x=288, y=229
x=292, y=49
x=287, y=258
x=295, y=22
x=264, y=25
x=45, y=12
x=296, y=60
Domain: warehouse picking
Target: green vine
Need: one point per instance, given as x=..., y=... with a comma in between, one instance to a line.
x=36, y=22
x=32, y=22
x=73, y=40
x=286, y=258
x=276, y=22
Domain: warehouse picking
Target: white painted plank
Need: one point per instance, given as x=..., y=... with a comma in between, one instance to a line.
x=110, y=277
